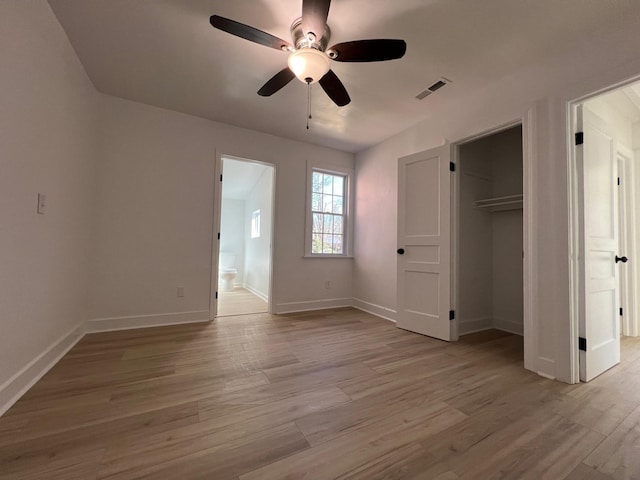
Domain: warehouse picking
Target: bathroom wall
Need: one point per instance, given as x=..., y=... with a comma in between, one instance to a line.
x=232, y=233
x=257, y=263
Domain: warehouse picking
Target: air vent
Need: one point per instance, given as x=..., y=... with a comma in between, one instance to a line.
x=436, y=86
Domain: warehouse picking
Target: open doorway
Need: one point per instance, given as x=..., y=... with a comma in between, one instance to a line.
x=243, y=282
x=488, y=285
x=605, y=186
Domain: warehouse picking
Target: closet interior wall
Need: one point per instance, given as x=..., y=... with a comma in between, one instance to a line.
x=490, y=277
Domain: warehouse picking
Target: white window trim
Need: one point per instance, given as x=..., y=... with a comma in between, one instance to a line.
x=348, y=173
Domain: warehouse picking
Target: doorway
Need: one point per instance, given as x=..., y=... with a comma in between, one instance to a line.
x=428, y=263
x=489, y=286
x=605, y=188
x=244, y=258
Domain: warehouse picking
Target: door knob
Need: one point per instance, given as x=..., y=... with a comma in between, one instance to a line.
x=621, y=259
x=401, y=251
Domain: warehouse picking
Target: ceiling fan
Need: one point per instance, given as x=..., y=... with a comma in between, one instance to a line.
x=309, y=57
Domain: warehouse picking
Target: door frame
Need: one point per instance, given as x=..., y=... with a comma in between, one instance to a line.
x=528, y=122
x=217, y=217
x=576, y=233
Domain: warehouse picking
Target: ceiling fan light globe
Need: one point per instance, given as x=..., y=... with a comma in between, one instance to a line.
x=309, y=63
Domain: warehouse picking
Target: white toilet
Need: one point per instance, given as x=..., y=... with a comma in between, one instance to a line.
x=226, y=271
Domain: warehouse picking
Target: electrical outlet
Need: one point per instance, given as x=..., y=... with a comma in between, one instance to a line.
x=180, y=292
x=327, y=284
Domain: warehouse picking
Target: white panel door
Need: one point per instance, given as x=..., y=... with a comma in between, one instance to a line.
x=424, y=243
x=598, y=174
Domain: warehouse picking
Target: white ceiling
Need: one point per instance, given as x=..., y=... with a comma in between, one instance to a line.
x=239, y=178
x=165, y=53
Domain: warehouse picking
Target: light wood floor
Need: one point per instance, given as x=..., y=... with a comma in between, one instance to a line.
x=331, y=395
x=240, y=302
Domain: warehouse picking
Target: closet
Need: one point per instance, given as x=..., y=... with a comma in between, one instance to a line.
x=490, y=267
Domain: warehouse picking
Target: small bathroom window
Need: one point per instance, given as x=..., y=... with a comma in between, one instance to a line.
x=255, y=224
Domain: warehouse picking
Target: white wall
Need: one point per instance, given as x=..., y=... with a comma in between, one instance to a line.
x=475, y=293
x=47, y=124
x=539, y=94
x=490, y=275
x=257, y=261
x=154, y=216
x=507, y=302
x=232, y=233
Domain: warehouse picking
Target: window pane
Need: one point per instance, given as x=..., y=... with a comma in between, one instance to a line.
x=327, y=184
x=338, y=186
x=337, y=243
x=327, y=201
x=316, y=202
x=328, y=224
x=327, y=241
x=316, y=243
x=317, y=181
x=337, y=205
x=318, y=221
x=338, y=222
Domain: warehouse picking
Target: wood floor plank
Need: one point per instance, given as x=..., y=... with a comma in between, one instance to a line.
x=335, y=394
x=619, y=455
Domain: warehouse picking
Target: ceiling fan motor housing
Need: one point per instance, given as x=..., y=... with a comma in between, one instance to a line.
x=300, y=40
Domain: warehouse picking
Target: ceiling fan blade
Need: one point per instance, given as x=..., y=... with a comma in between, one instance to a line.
x=376, y=50
x=249, y=33
x=333, y=87
x=314, y=16
x=276, y=82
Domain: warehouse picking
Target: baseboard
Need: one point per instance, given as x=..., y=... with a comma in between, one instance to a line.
x=294, y=307
x=373, y=309
x=257, y=293
x=546, y=367
x=474, y=325
x=143, y=321
x=18, y=384
x=508, y=326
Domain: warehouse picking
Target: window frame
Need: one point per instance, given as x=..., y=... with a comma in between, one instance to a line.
x=348, y=204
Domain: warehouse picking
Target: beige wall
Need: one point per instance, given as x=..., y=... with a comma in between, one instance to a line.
x=155, y=208
x=47, y=138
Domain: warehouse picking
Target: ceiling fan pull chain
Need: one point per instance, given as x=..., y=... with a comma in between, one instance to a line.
x=308, y=104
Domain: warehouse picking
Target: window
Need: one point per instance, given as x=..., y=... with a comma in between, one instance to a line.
x=328, y=225
x=255, y=224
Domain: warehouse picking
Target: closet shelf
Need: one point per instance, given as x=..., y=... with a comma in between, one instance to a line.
x=500, y=204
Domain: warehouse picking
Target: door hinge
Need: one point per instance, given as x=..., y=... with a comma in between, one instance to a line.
x=582, y=344
x=452, y=167
x=216, y=295
x=220, y=177
x=218, y=235
x=621, y=314
x=579, y=138
x=618, y=181
x=452, y=314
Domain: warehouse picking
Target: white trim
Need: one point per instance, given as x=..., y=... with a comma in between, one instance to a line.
x=262, y=296
x=294, y=307
x=530, y=226
x=546, y=368
x=217, y=216
x=96, y=325
x=23, y=380
x=374, y=309
x=349, y=206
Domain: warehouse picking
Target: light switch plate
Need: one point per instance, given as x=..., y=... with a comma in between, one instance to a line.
x=42, y=203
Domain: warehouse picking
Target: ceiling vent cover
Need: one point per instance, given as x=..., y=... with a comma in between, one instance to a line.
x=436, y=86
